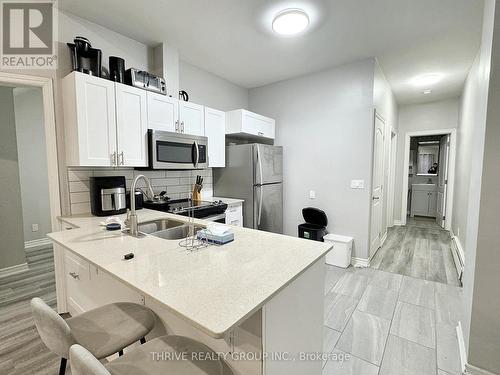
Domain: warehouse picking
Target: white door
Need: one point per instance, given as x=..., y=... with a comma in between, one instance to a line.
x=95, y=111
x=131, y=126
x=191, y=117
x=377, y=186
x=163, y=112
x=444, y=154
x=215, y=130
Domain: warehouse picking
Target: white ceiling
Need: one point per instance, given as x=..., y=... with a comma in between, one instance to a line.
x=232, y=38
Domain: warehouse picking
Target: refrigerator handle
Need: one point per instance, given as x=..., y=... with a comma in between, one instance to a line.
x=261, y=187
x=260, y=204
x=260, y=165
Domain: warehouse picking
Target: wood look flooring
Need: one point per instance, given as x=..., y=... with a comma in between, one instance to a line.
x=21, y=349
x=420, y=249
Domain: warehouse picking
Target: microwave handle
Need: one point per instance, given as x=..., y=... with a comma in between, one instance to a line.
x=197, y=154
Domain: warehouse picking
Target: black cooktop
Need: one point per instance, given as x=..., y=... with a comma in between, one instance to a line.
x=187, y=207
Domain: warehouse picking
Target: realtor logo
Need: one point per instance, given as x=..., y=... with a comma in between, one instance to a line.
x=28, y=30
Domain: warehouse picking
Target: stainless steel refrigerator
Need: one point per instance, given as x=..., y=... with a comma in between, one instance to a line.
x=254, y=172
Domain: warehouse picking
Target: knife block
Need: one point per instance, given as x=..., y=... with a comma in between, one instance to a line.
x=197, y=193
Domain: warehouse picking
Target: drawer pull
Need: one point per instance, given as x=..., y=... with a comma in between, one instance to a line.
x=74, y=275
x=68, y=228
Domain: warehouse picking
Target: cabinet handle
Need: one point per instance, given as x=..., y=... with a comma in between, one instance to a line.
x=74, y=275
x=68, y=228
x=176, y=126
x=114, y=158
x=182, y=126
x=260, y=133
x=122, y=158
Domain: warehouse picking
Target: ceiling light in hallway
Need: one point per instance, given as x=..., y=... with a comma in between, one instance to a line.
x=290, y=22
x=427, y=79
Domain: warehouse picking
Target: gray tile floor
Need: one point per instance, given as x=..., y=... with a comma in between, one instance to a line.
x=420, y=249
x=389, y=324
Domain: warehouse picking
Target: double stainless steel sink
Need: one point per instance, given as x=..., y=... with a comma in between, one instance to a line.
x=168, y=229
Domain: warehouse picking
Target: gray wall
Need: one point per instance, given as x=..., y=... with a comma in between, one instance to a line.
x=430, y=116
x=32, y=156
x=325, y=123
x=11, y=218
x=210, y=90
x=480, y=116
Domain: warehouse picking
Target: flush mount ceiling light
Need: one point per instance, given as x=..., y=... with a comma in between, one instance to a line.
x=427, y=79
x=427, y=92
x=290, y=22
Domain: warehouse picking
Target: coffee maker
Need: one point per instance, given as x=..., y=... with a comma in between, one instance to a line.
x=84, y=58
x=107, y=195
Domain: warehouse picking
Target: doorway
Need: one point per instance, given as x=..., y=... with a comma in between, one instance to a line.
x=428, y=176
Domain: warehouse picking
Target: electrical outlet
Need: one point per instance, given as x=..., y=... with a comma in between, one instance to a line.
x=34, y=227
x=312, y=194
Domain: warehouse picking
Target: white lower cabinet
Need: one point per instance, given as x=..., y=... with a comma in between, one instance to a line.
x=423, y=202
x=88, y=287
x=234, y=214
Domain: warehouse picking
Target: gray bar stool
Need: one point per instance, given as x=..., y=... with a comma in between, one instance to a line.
x=164, y=355
x=104, y=331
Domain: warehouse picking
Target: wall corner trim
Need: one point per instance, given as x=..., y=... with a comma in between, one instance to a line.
x=9, y=271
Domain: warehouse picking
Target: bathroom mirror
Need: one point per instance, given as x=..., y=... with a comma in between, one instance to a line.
x=428, y=158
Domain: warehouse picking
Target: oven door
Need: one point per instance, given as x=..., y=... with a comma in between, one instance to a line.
x=169, y=150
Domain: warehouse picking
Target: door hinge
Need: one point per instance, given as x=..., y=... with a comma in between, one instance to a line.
x=446, y=182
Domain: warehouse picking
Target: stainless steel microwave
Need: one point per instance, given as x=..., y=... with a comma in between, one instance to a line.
x=168, y=150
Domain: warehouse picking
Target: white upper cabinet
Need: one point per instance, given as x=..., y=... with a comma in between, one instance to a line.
x=131, y=126
x=243, y=123
x=191, y=118
x=89, y=117
x=163, y=112
x=215, y=130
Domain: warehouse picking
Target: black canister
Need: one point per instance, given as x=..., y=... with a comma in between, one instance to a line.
x=116, y=69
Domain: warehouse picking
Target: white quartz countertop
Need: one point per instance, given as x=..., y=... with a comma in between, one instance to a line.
x=214, y=288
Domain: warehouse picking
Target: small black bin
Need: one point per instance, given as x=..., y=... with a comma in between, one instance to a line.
x=315, y=226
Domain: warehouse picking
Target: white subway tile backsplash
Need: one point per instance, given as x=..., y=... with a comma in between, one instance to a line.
x=79, y=175
x=178, y=184
x=80, y=208
x=101, y=172
x=78, y=186
x=82, y=197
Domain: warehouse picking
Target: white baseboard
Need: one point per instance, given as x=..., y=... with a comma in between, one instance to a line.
x=458, y=254
x=397, y=223
x=473, y=370
x=467, y=369
x=360, y=262
x=382, y=240
x=8, y=271
x=42, y=242
x=461, y=347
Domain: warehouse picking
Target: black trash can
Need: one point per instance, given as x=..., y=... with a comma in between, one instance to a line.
x=315, y=226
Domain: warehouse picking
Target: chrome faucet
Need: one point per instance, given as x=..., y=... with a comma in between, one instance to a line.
x=131, y=220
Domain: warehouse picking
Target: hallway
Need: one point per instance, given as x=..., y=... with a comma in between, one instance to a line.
x=420, y=249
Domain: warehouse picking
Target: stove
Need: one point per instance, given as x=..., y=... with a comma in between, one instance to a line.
x=187, y=207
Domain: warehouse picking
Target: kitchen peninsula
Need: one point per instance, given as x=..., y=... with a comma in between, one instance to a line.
x=261, y=293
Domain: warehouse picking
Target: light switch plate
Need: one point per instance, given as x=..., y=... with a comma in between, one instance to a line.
x=34, y=227
x=357, y=184
x=312, y=194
